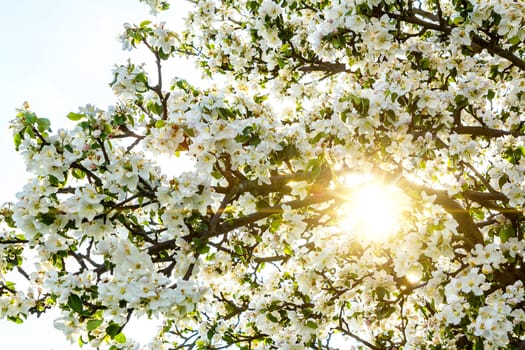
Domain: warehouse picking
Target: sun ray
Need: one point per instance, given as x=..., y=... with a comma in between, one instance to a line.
x=374, y=209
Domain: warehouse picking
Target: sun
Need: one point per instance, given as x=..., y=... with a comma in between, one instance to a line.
x=374, y=210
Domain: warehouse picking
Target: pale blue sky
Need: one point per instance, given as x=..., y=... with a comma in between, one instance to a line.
x=57, y=55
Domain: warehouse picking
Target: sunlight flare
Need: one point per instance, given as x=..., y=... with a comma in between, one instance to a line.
x=375, y=209
x=414, y=275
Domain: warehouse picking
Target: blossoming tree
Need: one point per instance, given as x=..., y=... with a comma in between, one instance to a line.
x=255, y=245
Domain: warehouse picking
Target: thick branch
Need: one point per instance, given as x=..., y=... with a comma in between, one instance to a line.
x=419, y=21
x=278, y=184
x=499, y=51
x=13, y=241
x=482, y=131
x=264, y=213
x=491, y=47
x=324, y=67
x=485, y=196
x=265, y=259
x=466, y=225
x=485, y=182
x=159, y=247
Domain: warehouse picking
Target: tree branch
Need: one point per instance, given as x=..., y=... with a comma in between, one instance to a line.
x=483, y=131
x=499, y=51
x=13, y=241
x=466, y=225
x=491, y=47
x=485, y=196
x=264, y=213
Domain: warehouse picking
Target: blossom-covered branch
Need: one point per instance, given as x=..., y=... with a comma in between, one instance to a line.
x=228, y=208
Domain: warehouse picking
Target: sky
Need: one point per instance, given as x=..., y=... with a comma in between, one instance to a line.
x=56, y=55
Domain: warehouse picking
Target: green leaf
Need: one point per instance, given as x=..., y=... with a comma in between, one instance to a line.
x=381, y=293
x=92, y=324
x=217, y=175
x=390, y=114
x=75, y=303
x=275, y=224
x=515, y=40
x=30, y=117
x=141, y=78
x=478, y=345
x=225, y=113
x=119, y=119
x=120, y=338
x=424, y=63
x=253, y=6
x=365, y=106
x=228, y=338
x=314, y=165
x=211, y=332
x=318, y=137
x=144, y=23
x=46, y=218
x=238, y=249
x=311, y=324
x=15, y=319
x=506, y=232
x=75, y=116
x=78, y=174
x=164, y=6
x=461, y=100
x=496, y=17
x=43, y=124
x=271, y=317
x=81, y=341
x=403, y=101
x=458, y=20
x=503, y=180
x=338, y=41
x=155, y=108
x=288, y=250
x=384, y=311
x=17, y=139
x=112, y=330
x=204, y=249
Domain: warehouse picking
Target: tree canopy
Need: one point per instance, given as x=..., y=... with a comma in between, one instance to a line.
x=262, y=241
